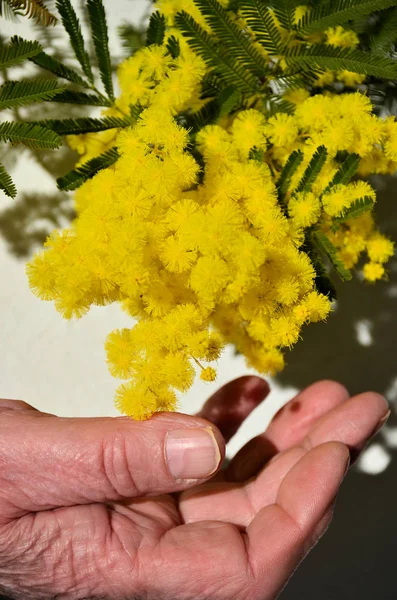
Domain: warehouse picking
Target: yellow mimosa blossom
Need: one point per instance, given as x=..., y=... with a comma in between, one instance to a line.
x=199, y=233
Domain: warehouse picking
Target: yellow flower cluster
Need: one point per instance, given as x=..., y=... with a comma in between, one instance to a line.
x=202, y=258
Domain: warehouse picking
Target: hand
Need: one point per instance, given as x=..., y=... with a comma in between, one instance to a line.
x=84, y=511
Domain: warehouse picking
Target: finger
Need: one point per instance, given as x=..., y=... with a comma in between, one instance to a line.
x=280, y=534
x=15, y=405
x=353, y=423
x=288, y=428
x=233, y=403
x=61, y=462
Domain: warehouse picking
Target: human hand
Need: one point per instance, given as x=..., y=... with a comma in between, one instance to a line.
x=84, y=512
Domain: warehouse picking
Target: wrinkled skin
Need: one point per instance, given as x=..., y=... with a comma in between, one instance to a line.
x=88, y=508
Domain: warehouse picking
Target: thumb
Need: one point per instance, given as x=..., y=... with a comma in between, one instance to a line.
x=48, y=461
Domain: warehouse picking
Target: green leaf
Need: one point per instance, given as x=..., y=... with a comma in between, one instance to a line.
x=312, y=170
x=345, y=171
x=72, y=97
x=290, y=167
x=17, y=52
x=6, y=183
x=338, y=59
x=173, y=46
x=386, y=36
x=156, y=29
x=77, y=177
x=131, y=37
x=262, y=23
x=322, y=281
x=285, y=13
x=337, y=12
x=135, y=111
x=73, y=29
x=220, y=106
x=14, y=94
x=32, y=135
x=83, y=125
x=47, y=62
x=99, y=30
x=227, y=69
x=326, y=247
x=229, y=34
x=355, y=210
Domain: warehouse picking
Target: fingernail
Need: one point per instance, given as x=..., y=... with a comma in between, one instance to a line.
x=192, y=453
x=381, y=423
x=355, y=452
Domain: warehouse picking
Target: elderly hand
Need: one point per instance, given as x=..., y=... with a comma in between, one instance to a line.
x=110, y=508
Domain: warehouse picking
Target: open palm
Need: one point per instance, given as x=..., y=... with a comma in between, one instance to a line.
x=82, y=513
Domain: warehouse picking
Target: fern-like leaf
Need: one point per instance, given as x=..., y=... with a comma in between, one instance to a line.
x=345, y=171
x=73, y=29
x=47, y=62
x=99, y=30
x=337, y=12
x=6, y=183
x=327, y=248
x=16, y=53
x=173, y=47
x=386, y=36
x=218, y=107
x=284, y=11
x=338, y=59
x=355, y=210
x=156, y=29
x=83, y=125
x=230, y=71
x=290, y=167
x=262, y=23
x=32, y=135
x=14, y=94
x=131, y=38
x=322, y=280
x=72, y=97
x=232, y=37
x=312, y=170
x=77, y=177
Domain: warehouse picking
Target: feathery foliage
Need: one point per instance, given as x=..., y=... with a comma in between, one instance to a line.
x=17, y=52
x=230, y=34
x=312, y=170
x=14, y=94
x=261, y=21
x=6, y=183
x=327, y=248
x=384, y=39
x=156, y=29
x=339, y=59
x=72, y=26
x=83, y=125
x=345, y=172
x=32, y=135
x=77, y=177
x=72, y=97
x=290, y=167
x=337, y=12
x=229, y=71
x=358, y=208
x=100, y=38
x=47, y=62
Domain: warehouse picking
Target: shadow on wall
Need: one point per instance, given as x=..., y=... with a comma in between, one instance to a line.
x=358, y=347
